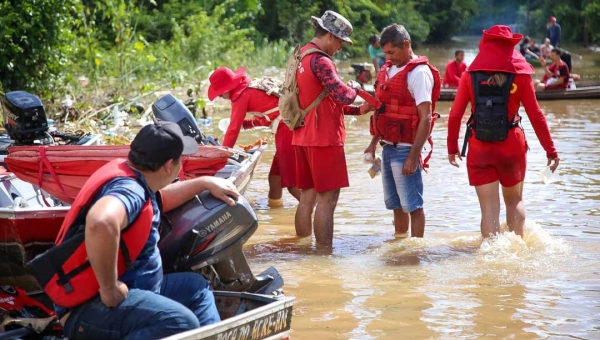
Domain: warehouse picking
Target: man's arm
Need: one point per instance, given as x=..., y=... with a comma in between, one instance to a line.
x=323, y=68
x=372, y=145
x=528, y=51
x=412, y=161
x=546, y=69
x=238, y=113
x=176, y=194
x=420, y=84
x=373, y=55
x=376, y=65
x=253, y=122
x=354, y=110
x=103, y=226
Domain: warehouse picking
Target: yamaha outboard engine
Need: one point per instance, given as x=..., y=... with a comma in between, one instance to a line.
x=206, y=235
x=24, y=117
x=171, y=109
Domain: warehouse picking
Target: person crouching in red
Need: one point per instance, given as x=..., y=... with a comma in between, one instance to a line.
x=495, y=84
x=245, y=99
x=454, y=70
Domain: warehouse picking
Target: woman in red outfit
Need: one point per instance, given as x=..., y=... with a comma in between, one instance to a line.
x=245, y=99
x=503, y=161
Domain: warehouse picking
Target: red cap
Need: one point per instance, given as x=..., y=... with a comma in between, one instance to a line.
x=224, y=80
x=553, y=19
x=502, y=33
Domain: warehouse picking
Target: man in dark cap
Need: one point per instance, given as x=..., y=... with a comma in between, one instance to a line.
x=125, y=199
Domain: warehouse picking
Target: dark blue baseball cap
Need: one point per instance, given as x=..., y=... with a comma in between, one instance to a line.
x=162, y=141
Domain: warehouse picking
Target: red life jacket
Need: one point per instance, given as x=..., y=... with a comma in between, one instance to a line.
x=397, y=118
x=64, y=271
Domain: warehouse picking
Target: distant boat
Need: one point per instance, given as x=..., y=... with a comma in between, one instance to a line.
x=584, y=90
x=536, y=62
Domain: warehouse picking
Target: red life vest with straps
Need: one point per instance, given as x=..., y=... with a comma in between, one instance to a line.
x=64, y=271
x=397, y=118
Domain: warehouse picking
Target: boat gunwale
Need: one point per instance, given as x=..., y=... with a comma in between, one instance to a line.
x=277, y=304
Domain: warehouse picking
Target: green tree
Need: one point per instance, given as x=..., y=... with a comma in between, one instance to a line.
x=35, y=42
x=445, y=17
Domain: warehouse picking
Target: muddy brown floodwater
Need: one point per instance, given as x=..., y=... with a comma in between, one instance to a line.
x=449, y=285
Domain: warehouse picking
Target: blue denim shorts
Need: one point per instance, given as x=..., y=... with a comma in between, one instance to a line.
x=400, y=191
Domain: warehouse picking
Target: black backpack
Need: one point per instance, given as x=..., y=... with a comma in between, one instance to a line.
x=489, y=120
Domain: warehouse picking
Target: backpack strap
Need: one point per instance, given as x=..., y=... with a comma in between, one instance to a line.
x=475, y=79
x=323, y=93
x=311, y=51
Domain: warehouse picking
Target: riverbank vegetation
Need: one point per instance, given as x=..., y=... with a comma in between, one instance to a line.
x=125, y=48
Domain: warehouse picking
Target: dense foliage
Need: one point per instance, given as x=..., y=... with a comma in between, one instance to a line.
x=35, y=42
x=45, y=45
x=579, y=19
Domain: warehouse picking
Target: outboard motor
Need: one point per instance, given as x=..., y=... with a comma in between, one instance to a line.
x=24, y=117
x=171, y=109
x=362, y=71
x=206, y=235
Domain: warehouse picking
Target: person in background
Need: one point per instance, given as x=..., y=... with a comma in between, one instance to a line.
x=556, y=76
x=320, y=159
x=566, y=57
x=375, y=52
x=263, y=107
x=545, y=49
x=408, y=87
x=533, y=48
x=525, y=51
x=454, y=69
x=497, y=157
x=554, y=32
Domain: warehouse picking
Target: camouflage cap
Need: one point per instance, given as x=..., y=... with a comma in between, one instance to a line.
x=335, y=24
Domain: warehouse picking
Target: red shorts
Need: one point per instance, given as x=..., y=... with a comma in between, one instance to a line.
x=284, y=161
x=504, y=161
x=321, y=167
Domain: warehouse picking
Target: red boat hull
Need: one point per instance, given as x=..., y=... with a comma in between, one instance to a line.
x=62, y=170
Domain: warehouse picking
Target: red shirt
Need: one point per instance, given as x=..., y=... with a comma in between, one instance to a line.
x=558, y=71
x=323, y=125
x=453, y=73
x=521, y=92
x=250, y=100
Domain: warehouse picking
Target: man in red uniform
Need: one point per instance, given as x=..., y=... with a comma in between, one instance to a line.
x=320, y=160
x=246, y=99
x=455, y=69
x=556, y=76
x=496, y=83
x=407, y=87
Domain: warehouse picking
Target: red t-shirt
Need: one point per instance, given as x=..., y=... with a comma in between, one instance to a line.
x=250, y=100
x=453, y=73
x=522, y=92
x=323, y=125
x=558, y=71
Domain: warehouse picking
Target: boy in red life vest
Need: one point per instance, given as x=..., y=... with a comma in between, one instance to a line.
x=496, y=83
x=407, y=86
x=320, y=160
x=556, y=76
x=264, y=107
x=140, y=303
x=454, y=69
